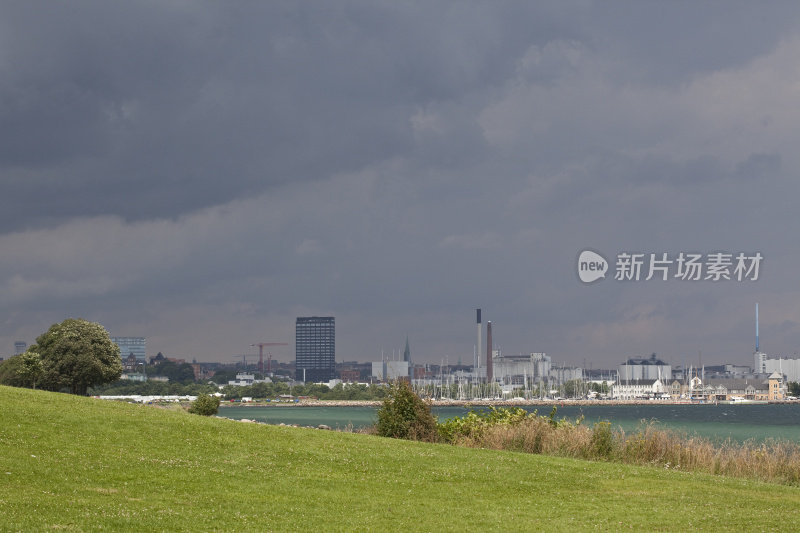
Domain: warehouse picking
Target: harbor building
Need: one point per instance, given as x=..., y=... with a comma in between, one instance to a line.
x=20, y=347
x=730, y=390
x=315, y=348
x=638, y=389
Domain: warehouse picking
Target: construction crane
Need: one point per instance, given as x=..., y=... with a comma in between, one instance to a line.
x=261, y=355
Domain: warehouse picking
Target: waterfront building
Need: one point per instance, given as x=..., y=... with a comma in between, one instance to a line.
x=726, y=389
x=677, y=390
x=731, y=389
x=132, y=345
x=639, y=389
x=315, y=348
x=20, y=347
x=776, y=387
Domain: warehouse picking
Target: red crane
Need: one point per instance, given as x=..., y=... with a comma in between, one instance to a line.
x=261, y=354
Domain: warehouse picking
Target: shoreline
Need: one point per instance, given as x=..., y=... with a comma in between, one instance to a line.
x=483, y=403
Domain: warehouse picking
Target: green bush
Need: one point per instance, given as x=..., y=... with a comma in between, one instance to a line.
x=602, y=440
x=472, y=425
x=205, y=405
x=404, y=415
x=475, y=423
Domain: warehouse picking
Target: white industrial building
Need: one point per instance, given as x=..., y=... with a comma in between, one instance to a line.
x=520, y=369
x=389, y=370
x=790, y=368
x=637, y=368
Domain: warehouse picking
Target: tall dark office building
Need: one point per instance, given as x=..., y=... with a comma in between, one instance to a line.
x=315, y=348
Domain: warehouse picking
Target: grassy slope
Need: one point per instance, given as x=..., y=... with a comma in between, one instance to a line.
x=72, y=463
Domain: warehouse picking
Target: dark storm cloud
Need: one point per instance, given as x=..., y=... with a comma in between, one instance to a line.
x=202, y=173
x=153, y=109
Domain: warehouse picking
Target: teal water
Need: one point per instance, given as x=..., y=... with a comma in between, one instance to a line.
x=718, y=422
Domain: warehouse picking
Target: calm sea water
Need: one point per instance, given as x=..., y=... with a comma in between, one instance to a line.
x=718, y=422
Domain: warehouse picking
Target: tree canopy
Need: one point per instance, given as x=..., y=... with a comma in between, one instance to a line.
x=32, y=367
x=12, y=373
x=176, y=372
x=77, y=354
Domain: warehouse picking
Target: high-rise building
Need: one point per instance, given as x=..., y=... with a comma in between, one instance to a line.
x=20, y=347
x=131, y=345
x=315, y=348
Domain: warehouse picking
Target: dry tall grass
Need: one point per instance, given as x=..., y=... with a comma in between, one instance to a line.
x=774, y=461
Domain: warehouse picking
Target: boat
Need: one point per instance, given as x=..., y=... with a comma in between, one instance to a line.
x=737, y=400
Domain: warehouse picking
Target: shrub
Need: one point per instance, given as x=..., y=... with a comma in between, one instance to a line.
x=602, y=441
x=470, y=426
x=473, y=426
x=205, y=405
x=404, y=415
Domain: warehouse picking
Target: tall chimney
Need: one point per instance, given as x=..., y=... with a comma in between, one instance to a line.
x=477, y=362
x=489, y=352
x=756, y=327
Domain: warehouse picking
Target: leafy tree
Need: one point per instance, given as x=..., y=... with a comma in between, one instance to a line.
x=10, y=372
x=223, y=376
x=32, y=367
x=572, y=388
x=205, y=405
x=279, y=388
x=77, y=354
x=404, y=415
x=177, y=372
x=794, y=388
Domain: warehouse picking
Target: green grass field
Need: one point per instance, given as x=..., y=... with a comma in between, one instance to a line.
x=77, y=464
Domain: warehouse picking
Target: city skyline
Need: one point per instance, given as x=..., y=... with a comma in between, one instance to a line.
x=202, y=174
x=137, y=346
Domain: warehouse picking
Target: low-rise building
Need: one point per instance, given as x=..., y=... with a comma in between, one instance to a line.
x=731, y=389
x=639, y=389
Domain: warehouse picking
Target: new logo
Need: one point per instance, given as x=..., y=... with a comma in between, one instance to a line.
x=591, y=266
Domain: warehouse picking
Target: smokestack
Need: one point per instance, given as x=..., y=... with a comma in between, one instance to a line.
x=489, y=352
x=756, y=327
x=477, y=362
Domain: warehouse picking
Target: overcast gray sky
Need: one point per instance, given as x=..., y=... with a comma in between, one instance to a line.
x=202, y=173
